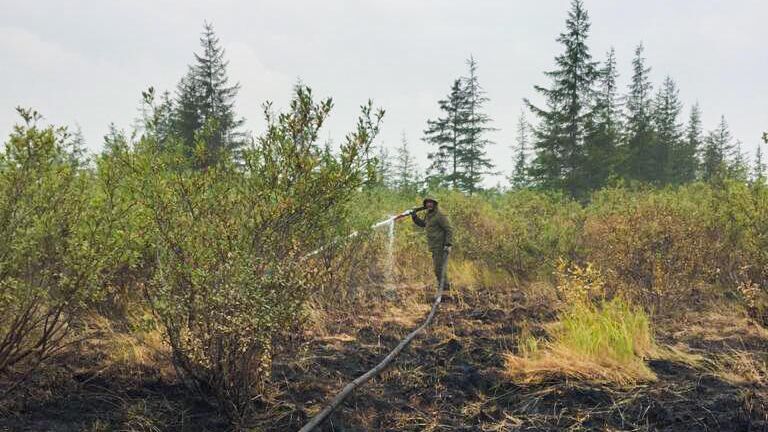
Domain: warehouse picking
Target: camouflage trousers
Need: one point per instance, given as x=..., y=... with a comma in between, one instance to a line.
x=438, y=257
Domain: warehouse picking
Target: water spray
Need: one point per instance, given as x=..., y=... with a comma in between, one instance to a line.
x=390, y=221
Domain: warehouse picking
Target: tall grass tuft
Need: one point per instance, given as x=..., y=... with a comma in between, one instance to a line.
x=603, y=340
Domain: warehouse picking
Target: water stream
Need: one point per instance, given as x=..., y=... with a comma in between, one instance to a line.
x=389, y=224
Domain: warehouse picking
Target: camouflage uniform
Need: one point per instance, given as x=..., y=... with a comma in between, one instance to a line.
x=439, y=236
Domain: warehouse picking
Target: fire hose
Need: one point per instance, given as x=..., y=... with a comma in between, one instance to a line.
x=362, y=379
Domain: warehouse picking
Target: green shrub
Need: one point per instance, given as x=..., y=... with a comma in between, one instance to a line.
x=50, y=254
x=232, y=274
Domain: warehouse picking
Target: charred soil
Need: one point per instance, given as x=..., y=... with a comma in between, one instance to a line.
x=450, y=378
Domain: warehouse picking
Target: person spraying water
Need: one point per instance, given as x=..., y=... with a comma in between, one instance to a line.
x=440, y=239
x=439, y=235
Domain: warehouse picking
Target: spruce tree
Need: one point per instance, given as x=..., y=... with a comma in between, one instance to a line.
x=691, y=149
x=205, y=104
x=445, y=134
x=188, y=119
x=519, y=178
x=405, y=170
x=471, y=151
x=737, y=165
x=718, y=148
x=668, y=143
x=640, y=159
x=559, y=137
x=384, y=167
x=603, y=139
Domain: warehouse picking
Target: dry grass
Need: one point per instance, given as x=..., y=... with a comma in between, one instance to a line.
x=130, y=353
x=602, y=343
x=742, y=368
x=557, y=362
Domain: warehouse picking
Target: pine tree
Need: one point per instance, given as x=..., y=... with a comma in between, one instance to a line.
x=640, y=160
x=602, y=143
x=445, y=134
x=205, y=104
x=717, y=151
x=559, y=138
x=405, y=169
x=668, y=143
x=519, y=178
x=690, y=153
x=471, y=151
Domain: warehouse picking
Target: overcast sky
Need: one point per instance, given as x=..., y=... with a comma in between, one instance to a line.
x=86, y=62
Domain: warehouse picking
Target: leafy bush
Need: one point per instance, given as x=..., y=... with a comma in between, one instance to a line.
x=51, y=254
x=232, y=243
x=662, y=246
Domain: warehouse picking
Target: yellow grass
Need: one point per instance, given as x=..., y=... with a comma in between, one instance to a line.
x=606, y=343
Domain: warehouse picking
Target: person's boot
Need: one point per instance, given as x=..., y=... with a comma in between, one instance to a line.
x=447, y=293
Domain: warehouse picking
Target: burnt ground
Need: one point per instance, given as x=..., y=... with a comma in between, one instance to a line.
x=450, y=379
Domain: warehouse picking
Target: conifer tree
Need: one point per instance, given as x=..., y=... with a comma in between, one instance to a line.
x=737, y=165
x=188, y=119
x=519, y=178
x=472, y=156
x=690, y=152
x=758, y=172
x=445, y=134
x=559, y=137
x=384, y=167
x=716, y=152
x=668, y=143
x=641, y=162
x=603, y=139
x=205, y=104
x=405, y=170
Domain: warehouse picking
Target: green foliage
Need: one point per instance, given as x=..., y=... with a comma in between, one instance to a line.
x=718, y=153
x=594, y=338
x=611, y=331
x=230, y=282
x=640, y=158
x=459, y=160
x=519, y=178
x=669, y=152
x=581, y=145
x=601, y=146
x=51, y=255
x=406, y=176
x=559, y=137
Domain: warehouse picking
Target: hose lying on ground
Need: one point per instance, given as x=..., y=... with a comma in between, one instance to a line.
x=362, y=379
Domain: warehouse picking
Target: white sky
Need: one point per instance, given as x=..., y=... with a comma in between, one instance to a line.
x=85, y=62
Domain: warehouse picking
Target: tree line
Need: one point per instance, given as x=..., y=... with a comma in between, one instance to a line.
x=589, y=136
x=584, y=135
